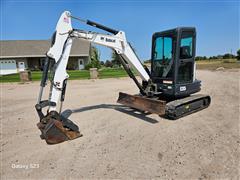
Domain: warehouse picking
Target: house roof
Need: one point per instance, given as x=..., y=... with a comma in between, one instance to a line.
x=38, y=48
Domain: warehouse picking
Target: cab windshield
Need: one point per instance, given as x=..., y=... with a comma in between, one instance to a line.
x=162, y=57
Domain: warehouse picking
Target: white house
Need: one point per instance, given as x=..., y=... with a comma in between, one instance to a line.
x=18, y=55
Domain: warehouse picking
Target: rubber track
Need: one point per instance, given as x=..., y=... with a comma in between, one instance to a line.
x=173, y=106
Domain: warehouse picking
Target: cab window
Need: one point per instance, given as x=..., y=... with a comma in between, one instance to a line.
x=185, y=66
x=162, y=57
x=186, y=47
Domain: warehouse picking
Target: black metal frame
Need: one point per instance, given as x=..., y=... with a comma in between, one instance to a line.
x=191, y=87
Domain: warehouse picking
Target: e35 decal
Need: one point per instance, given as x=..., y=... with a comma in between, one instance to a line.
x=183, y=88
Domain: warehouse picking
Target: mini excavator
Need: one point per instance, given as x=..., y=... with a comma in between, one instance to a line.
x=168, y=89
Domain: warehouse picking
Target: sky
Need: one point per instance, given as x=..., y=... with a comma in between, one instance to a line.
x=217, y=22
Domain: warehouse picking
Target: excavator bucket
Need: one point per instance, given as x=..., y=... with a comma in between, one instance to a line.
x=56, y=129
x=142, y=103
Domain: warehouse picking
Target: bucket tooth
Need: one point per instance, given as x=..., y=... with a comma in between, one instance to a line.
x=142, y=103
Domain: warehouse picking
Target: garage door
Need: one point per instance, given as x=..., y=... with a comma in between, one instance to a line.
x=8, y=67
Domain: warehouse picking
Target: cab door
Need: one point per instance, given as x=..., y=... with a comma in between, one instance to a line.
x=185, y=69
x=185, y=66
x=163, y=52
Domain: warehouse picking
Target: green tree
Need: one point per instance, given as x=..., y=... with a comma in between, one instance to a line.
x=197, y=58
x=227, y=56
x=238, y=54
x=147, y=61
x=115, y=59
x=108, y=64
x=94, y=56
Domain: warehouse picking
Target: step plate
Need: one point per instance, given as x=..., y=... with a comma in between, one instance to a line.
x=142, y=103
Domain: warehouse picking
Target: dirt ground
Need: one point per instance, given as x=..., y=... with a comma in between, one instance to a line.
x=118, y=143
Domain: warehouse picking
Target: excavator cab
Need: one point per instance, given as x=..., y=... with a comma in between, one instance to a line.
x=173, y=62
x=172, y=75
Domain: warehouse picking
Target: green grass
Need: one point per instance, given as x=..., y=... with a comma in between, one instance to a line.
x=36, y=75
x=10, y=78
x=119, y=72
x=83, y=74
x=112, y=73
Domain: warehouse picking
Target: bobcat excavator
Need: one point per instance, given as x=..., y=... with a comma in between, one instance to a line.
x=165, y=90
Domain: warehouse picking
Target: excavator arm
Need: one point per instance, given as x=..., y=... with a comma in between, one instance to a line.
x=56, y=128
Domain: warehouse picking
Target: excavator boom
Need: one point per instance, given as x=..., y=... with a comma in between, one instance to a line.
x=55, y=128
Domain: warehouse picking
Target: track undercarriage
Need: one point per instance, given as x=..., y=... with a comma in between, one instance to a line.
x=170, y=109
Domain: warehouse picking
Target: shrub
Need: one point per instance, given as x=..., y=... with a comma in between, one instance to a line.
x=93, y=64
x=108, y=63
x=229, y=60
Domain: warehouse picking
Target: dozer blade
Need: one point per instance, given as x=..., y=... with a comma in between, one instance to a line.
x=56, y=129
x=142, y=103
